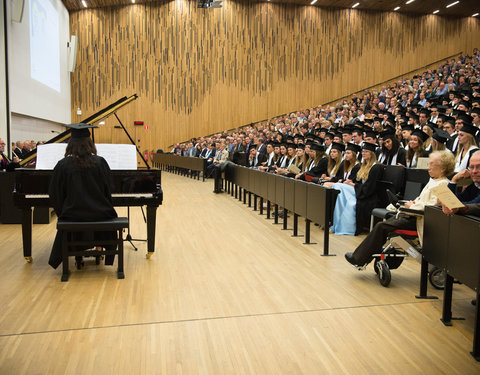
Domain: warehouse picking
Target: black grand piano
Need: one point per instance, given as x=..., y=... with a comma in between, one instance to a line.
x=130, y=187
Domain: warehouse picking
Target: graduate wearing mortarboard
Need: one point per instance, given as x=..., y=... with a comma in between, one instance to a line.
x=80, y=189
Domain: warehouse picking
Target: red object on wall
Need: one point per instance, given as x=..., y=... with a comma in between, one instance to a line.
x=146, y=155
x=151, y=155
x=138, y=123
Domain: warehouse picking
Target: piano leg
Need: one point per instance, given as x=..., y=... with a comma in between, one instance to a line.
x=27, y=233
x=151, y=222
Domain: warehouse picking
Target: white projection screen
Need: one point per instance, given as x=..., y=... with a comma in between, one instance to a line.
x=37, y=56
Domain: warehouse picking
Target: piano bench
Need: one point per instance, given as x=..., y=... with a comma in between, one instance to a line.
x=67, y=228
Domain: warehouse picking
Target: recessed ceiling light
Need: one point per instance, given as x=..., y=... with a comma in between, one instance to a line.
x=133, y=1
x=409, y=1
x=313, y=2
x=436, y=11
x=474, y=15
x=355, y=5
x=397, y=8
x=452, y=4
x=84, y=3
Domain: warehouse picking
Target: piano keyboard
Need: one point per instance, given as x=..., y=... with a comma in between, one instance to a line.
x=126, y=195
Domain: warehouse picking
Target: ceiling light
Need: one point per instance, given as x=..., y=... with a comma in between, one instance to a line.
x=452, y=4
x=313, y=2
x=355, y=5
x=436, y=11
x=133, y=1
x=84, y=3
x=474, y=15
x=397, y=8
x=409, y=1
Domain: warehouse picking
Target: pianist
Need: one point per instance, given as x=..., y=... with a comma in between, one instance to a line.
x=80, y=189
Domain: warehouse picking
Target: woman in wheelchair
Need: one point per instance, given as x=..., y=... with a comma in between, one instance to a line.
x=441, y=164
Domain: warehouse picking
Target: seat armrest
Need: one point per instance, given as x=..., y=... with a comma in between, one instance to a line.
x=410, y=211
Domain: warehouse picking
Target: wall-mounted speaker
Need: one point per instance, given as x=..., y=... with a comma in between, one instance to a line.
x=17, y=10
x=72, y=53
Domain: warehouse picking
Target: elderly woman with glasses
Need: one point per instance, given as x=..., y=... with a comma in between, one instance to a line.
x=441, y=165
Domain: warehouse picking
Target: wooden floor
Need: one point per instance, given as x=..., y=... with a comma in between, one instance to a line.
x=227, y=292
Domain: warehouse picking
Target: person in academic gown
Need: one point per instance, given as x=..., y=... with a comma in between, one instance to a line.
x=365, y=187
x=318, y=166
x=391, y=151
x=80, y=189
x=358, y=197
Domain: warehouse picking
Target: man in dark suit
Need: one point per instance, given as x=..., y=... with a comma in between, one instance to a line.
x=470, y=196
x=27, y=147
x=18, y=149
x=261, y=148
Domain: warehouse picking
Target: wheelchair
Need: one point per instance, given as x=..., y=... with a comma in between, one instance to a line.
x=399, y=245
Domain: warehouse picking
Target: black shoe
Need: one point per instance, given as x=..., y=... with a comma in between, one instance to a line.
x=349, y=258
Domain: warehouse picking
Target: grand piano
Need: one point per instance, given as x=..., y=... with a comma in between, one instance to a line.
x=129, y=187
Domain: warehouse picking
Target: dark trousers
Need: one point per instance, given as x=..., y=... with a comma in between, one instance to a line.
x=373, y=243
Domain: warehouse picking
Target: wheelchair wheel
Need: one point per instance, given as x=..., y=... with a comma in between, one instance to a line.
x=436, y=277
x=384, y=274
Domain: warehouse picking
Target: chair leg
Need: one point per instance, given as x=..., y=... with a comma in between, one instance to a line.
x=65, y=271
x=120, y=273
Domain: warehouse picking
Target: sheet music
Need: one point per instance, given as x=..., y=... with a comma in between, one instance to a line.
x=117, y=156
x=49, y=154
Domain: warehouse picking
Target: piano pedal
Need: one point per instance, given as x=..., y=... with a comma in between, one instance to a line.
x=29, y=259
x=149, y=254
x=79, y=263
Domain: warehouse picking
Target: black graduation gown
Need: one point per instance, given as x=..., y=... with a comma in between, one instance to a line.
x=319, y=169
x=366, y=196
x=339, y=174
x=401, y=158
x=81, y=194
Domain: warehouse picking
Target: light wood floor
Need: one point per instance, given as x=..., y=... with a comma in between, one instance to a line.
x=227, y=292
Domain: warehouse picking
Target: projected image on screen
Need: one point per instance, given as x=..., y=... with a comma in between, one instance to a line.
x=44, y=44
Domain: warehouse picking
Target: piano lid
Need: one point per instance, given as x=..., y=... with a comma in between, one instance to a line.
x=97, y=116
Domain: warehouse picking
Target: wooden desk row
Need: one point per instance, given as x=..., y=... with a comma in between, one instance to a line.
x=453, y=243
x=183, y=165
x=312, y=201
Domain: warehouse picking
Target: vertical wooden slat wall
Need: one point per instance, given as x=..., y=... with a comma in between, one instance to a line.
x=199, y=71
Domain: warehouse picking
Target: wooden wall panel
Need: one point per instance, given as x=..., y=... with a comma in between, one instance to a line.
x=200, y=71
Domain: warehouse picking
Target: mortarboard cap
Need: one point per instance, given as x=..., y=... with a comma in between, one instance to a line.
x=407, y=127
x=316, y=147
x=369, y=146
x=338, y=146
x=353, y=147
x=469, y=128
x=440, y=135
x=80, y=130
x=420, y=134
